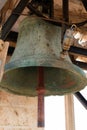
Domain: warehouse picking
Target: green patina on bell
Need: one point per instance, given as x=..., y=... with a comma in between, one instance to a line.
x=39, y=45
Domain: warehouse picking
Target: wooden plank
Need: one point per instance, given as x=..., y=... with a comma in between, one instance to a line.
x=3, y=54
x=69, y=112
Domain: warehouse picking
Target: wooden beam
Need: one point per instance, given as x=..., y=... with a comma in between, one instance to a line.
x=78, y=51
x=3, y=55
x=82, y=100
x=65, y=13
x=12, y=36
x=12, y=18
x=2, y=3
x=82, y=65
x=84, y=3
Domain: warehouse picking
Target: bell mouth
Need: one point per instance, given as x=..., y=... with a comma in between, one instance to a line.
x=58, y=79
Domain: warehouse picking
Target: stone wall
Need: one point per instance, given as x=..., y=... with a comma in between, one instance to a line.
x=18, y=112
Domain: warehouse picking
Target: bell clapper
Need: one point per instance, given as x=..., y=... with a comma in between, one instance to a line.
x=40, y=91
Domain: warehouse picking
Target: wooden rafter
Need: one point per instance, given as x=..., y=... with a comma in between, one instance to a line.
x=81, y=99
x=84, y=3
x=12, y=18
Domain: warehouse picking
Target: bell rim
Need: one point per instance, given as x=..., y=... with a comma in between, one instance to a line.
x=56, y=63
x=62, y=93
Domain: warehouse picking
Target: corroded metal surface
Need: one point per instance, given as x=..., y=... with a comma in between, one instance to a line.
x=39, y=44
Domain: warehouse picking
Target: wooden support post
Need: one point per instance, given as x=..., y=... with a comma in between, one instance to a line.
x=3, y=54
x=69, y=112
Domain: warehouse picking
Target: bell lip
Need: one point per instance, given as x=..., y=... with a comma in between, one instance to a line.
x=56, y=63
x=45, y=94
x=48, y=63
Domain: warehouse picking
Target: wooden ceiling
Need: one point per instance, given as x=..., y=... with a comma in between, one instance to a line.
x=77, y=11
x=64, y=12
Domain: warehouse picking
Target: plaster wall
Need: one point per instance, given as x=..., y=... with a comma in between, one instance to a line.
x=18, y=112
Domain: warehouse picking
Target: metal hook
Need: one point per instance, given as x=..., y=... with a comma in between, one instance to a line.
x=73, y=27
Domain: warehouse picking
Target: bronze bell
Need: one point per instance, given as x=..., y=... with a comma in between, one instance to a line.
x=39, y=45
